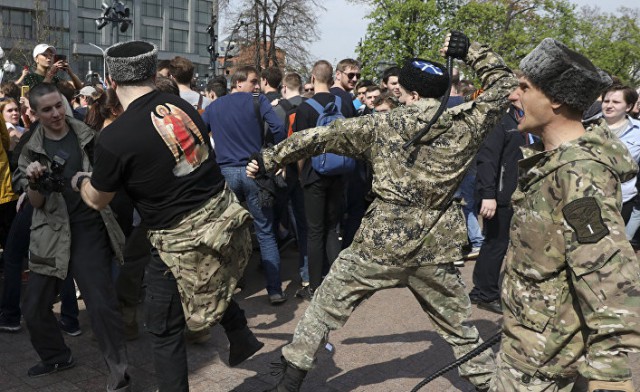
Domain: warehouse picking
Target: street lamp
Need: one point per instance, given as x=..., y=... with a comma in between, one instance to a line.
x=104, y=61
x=230, y=45
x=116, y=14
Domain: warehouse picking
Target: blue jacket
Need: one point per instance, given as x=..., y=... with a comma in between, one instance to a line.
x=236, y=131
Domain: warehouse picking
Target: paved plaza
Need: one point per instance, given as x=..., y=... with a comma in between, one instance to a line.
x=388, y=345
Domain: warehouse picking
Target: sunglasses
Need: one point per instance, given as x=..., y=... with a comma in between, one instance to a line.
x=352, y=75
x=306, y=90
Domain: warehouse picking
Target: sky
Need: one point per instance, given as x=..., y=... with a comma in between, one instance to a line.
x=343, y=24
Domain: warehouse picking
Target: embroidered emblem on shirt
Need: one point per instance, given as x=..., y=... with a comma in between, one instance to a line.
x=585, y=217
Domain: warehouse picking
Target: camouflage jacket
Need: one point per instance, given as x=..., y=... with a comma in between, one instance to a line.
x=571, y=288
x=412, y=221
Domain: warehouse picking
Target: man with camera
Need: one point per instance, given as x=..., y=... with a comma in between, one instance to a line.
x=68, y=237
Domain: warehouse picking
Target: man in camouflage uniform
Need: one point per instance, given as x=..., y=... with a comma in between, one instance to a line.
x=570, y=291
x=412, y=232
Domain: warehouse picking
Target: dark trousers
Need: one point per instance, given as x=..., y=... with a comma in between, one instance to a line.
x=15, y=251
x=486, y=273
x=627, y=208
x=165, y=322
x=323, y=206
x=90, y=265
x=137, y=251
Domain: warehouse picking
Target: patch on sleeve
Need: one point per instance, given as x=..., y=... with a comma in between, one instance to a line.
x=585, y=217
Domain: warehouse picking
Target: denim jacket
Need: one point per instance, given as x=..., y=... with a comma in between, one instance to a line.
x=50, y=245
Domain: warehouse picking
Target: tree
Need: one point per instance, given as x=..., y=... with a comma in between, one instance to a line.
x=278, y=24
x=415, y=28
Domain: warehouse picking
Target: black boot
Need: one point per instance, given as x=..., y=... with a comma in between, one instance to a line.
x=291, y=379
x=242, y=345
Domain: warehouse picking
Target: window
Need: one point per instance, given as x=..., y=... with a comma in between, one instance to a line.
x=204, y=9
x=152, y=34
x=92, y=4
x=180, y=10
x=152, y=8
x=58, y=14
x=178, y=40
x=203, y=40
x=88, y=31
x=17, y=24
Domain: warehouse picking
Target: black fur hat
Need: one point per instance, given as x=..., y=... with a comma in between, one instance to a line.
x=564, y=75
x=131, y=61
x=429, y=79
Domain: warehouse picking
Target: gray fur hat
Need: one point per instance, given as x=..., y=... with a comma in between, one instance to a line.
x=131, y=61
x=428, y=78
x=564, y=75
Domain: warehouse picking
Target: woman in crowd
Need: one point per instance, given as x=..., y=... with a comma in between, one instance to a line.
x=103, y=110
x=617, y=102
x=11, y=116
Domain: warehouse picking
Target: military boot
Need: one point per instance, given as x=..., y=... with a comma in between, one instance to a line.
x=291, y=379
x=242, y=345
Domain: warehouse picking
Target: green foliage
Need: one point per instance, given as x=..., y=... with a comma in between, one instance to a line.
x=414, y=28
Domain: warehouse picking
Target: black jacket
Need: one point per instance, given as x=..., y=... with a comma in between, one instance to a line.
x=497, y=161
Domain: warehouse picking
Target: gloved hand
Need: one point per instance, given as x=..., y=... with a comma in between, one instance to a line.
x=458, y=45
x=611, y=386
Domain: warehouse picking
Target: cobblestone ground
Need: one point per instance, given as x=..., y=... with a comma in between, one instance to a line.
x=388, y=345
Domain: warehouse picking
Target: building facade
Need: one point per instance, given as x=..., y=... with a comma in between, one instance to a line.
x=177, y=27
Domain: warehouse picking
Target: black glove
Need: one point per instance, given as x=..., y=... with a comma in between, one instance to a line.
x=458, y=45
x=258, y=158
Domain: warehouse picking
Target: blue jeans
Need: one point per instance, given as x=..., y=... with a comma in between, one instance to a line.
x=466, y=191
x=246, y=190
x=633, y=224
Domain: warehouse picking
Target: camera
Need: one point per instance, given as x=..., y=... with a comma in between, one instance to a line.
x=53, y=181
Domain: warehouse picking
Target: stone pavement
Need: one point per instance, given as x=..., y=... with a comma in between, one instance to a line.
x=387, y=345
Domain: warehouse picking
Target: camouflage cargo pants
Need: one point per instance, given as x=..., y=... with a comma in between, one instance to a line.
x=510, y=379
x=438, y=288
x=207, y=252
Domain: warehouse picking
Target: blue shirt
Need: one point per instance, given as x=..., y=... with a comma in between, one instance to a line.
x=631, y=139
x=236, y=132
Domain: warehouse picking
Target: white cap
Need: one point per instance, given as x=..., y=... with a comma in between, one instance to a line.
x=41, y=48
x=87, y=91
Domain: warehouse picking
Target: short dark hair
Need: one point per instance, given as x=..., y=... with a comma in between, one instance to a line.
x=363, y=83
x=10, y=89
x=628, y=93
x=385, y=98
x=218, y=88
x=373, y=88
x=322, y=71
x=38, y=91
x=163, y=64
x=273, y=76
x=389, y=72
x=167, y=85
x=293, y=81
x=181, y=69
x=242, y=74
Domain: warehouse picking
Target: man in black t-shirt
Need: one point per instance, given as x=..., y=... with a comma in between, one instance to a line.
x=324, y=193
x=197, y=228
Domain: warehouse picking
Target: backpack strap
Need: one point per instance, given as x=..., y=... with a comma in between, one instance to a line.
x=315, y=105
x=200, y=102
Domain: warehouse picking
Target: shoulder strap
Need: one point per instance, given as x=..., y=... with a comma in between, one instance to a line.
x=199, y=102
x=338, y=102
x=315, y=105
x=256, y=108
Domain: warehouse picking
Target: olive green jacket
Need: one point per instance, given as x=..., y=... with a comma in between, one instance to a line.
x=50, y=245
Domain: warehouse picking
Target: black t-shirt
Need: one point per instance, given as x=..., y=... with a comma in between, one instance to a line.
x=307, y=117
x=347, y=110
x=68, y=148
x=159, y=152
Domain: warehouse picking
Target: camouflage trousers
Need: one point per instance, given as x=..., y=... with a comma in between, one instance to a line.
x=438, y=288
x=207, y=252
x=510, y=379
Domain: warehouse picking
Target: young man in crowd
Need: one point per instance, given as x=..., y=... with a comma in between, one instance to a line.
x=413, y=231
x=198, y=230
x=68, y=237
x=390, y=81
x=181, y=70
x=270, y=80
x=571, y=280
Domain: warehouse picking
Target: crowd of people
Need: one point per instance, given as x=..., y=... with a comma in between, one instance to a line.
x=536, y=171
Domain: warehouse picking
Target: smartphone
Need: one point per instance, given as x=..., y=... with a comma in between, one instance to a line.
x=24, y=90
x=59, y=57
